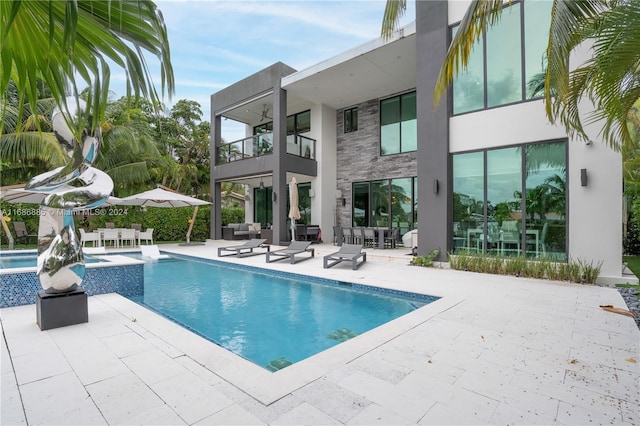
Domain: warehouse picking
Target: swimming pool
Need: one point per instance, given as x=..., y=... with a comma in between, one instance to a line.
x=30, y=261
x=273, y=319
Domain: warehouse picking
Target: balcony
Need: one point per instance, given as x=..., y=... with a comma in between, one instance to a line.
x=262, y=144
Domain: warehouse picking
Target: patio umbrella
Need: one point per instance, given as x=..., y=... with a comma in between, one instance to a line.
x=294, y=211
x=18, y=194
x=165, y=197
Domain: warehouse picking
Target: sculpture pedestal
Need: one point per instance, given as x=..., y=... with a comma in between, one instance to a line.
x=61, y=309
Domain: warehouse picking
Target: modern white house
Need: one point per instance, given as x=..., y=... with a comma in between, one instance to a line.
x=483, y=171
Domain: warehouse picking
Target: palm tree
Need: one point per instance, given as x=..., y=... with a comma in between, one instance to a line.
x=610, y=78
x=64, y=43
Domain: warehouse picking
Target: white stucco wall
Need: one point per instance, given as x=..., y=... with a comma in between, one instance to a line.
x=323, y=204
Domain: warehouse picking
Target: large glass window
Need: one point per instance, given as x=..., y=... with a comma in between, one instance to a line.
x=504, y=63
x=468, y=86
x=263, y=206
x=504, y=201
x=511, y=201
x=468, y=200
x=495, y=74
x=360, y=212
x=398, y=124
x=401, y=206
x=537, y=20
x=546, y=199
x=388, y=203
x=350, y=120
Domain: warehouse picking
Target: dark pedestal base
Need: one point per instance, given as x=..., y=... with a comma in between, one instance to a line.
x=61, y=309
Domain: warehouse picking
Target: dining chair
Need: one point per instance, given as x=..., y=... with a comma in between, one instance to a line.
x=147, y=236
x=109, y=225
x=391, y=238
x=136, y=226
x=369, y=237
x=347, y=235
x=111, y=235
x=129, y=236
x=92, y=237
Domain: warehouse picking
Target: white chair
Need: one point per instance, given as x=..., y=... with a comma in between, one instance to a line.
x=93, y=237
x=111, y=235
x=147, y=236
x=129, y=236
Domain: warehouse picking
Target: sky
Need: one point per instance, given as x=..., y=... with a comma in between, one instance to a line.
x=217, y=43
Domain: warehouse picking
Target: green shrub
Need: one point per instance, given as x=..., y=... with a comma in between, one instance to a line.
x=232, y=215
x=425, y=260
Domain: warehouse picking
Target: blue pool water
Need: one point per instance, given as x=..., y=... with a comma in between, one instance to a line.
x=271, y=319
x=29, y=261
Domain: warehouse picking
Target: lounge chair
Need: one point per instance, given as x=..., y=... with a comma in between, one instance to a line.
x=22, y=233
x=245, y=249
x=347, y=253
x=296, y=247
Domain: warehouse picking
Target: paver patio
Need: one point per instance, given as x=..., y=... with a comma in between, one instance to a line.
x=493, y=350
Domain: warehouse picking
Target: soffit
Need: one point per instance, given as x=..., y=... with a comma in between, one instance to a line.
x=376, y=69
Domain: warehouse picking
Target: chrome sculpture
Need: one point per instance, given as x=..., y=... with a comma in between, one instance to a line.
x=60, y=265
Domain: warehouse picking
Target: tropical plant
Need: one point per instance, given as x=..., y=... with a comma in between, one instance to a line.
x=27, y=147
x=610, y=79
x=67, y=44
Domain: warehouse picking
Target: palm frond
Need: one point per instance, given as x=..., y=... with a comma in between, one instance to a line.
x=393, y=12
x=64, y=41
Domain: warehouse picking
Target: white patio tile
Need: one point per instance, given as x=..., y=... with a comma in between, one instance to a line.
x=153, y=366
x=589, y=353
x=332, y=399
x=374, y=364
x=127, y=344
x=11, y=412
x=506, y=414
x=399, y=400
x=40, y=365
x=191, y=398
x=305, y=414
x=443, y=414
x=123, y=397
x=628, y=360
x=59, y=400
x=161, y=415
x=507, y=351
x=271, y=412
x=630, y=412
x=234, y=415
x=570, y=414
x=374, y=414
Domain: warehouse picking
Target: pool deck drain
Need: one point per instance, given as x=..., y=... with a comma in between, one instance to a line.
x=492, y=350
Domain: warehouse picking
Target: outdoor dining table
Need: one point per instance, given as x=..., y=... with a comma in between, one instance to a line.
x=100, y=232
x=381, y=234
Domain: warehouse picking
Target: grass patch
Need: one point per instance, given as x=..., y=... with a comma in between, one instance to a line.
x=633, y=262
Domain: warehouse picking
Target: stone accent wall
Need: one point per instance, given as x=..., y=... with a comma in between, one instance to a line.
x=358, y=156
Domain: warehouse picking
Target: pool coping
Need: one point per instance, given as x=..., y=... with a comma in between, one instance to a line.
x=261, y=384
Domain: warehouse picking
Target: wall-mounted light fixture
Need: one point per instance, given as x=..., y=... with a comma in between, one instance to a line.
x=583, y=177
x=436, y=186
x=261, y=184
x=275, y=197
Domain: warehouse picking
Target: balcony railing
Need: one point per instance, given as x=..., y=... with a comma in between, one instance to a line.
x=262, y=144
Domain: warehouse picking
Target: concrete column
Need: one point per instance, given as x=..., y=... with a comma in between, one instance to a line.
x=434, y=223
x=216, y=189
x=279, y=170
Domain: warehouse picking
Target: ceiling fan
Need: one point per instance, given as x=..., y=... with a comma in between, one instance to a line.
x=264, y=115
